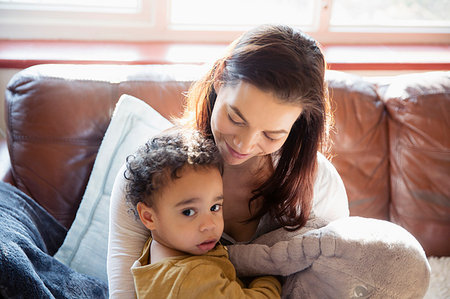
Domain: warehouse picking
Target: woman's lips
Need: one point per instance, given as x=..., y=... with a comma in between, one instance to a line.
x=235, y=154
x=208, y=245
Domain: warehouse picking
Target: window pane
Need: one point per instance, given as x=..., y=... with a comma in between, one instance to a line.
x=20, y=1
x=77, y=5
x=241, y=13
x=415, y=13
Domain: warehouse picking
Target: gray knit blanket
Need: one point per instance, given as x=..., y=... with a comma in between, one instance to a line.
x=29, y=236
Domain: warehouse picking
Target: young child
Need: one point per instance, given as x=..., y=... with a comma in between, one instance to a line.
x=175, y=188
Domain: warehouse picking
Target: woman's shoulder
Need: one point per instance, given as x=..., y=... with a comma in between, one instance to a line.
x=120, y=181
x=324, y=165
x=326, y=172
x=330, y=198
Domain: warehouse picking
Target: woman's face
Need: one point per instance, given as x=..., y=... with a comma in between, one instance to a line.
x=247, y=122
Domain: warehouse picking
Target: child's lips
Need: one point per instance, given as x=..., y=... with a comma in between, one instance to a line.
x=207, y=245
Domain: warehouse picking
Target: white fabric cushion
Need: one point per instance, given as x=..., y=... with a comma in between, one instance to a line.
x=86, y=244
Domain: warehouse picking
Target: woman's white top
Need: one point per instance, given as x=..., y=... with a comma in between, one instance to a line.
x=127, y=234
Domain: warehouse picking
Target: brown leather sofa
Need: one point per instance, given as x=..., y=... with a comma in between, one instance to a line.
x=391, y=137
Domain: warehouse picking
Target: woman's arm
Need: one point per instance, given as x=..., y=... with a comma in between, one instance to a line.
x=127, y=236
x=330, y=200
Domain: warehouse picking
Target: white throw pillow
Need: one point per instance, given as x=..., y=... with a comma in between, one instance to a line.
x=86, y=244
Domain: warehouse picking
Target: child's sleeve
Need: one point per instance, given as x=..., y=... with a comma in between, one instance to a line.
x=208, y=281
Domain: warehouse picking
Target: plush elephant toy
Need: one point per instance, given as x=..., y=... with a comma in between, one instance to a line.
x=353, y=257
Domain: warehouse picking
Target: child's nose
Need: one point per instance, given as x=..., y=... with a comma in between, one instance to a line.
x=208, y=223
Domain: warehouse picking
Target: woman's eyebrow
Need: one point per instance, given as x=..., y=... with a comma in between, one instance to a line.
x=277, y=132
x=236, y=110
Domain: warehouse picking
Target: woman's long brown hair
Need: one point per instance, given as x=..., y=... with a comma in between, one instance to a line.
x=288, y=63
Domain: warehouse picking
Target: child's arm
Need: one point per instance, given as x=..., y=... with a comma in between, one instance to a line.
x=207, y=281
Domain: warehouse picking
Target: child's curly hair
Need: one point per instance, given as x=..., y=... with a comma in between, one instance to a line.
x=161, y=159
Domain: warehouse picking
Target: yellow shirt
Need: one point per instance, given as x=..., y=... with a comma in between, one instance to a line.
x=206, y=276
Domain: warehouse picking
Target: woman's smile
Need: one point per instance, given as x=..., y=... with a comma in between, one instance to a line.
x=234, y=153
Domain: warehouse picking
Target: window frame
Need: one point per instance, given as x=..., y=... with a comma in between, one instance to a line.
x=152, y=23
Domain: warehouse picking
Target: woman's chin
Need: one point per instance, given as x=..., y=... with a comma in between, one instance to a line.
x=232, y=158
x=233, y=161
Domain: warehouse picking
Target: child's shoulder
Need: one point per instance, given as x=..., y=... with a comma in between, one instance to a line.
x=216, y=258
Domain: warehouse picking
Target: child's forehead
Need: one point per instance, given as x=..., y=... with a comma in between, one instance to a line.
x=171, y=176
x=192, y=170
x=190, y=180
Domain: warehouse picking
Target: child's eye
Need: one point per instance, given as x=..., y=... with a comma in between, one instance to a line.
x=216, y=208
x=188, y=212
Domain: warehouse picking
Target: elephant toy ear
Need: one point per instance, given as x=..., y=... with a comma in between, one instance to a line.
x=363, y=258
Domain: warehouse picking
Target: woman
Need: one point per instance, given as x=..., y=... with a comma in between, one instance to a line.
x=265, y=105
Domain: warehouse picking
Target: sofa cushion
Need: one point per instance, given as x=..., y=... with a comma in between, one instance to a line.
x=50, y=140
x=86, y=244
x=360, y=148
x=419, y=141
x=57, y=116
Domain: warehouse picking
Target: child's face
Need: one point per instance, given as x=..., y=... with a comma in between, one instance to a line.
x=187, y=214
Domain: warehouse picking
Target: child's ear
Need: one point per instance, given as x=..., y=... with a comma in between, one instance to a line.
x=147, y=215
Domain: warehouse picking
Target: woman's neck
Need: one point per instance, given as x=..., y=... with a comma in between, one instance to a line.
x=253, y=166
x=239, y=182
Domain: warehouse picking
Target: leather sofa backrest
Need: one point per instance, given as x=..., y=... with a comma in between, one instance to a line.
x=57, y=117
x=391, y=138
x=419, y=150
x=360, y=144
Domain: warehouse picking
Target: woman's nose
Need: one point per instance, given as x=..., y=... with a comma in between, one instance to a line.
x=245, y=142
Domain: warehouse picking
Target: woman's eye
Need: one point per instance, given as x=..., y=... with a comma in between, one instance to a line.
x=234, y=121
x=188, y=212
x=268, y=137
x=216, y=208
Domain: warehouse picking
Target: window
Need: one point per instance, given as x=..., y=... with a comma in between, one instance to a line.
x=215, y=15
x=74, y=19
x=425, y=14
x=117, y=6
x=329, y=21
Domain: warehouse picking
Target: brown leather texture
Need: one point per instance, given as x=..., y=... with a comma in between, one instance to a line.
x=57, y=117
x=360, y=144
x=419, y=145
x=391, y=137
